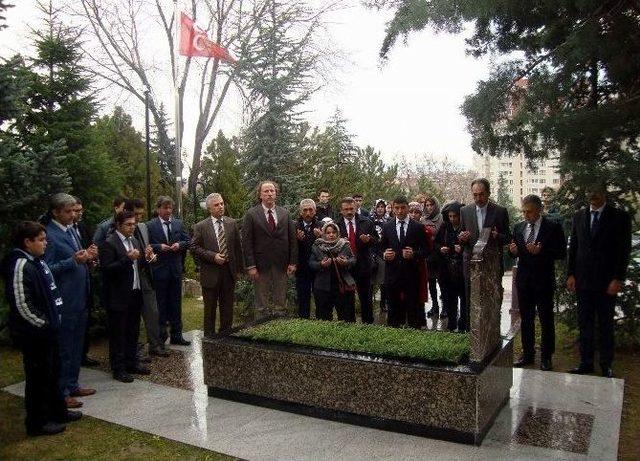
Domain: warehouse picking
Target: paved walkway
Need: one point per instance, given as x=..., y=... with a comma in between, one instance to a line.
x=550, y=416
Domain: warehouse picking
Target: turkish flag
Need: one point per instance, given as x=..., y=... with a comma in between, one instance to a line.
x=194, y=42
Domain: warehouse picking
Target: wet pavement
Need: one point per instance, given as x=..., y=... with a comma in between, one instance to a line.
x=550, y=416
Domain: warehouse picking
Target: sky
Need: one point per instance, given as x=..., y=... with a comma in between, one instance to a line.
x=409, y=106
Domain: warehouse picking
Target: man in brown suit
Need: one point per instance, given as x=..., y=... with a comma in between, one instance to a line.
x=270, y=249
x=216, y=245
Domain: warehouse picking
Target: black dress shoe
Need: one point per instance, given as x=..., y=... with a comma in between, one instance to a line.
x=123, y=377
x=607, y=372
x=159, y=352
x=72, y=416
x=180, y=342
x=432, y=312
x=49, y=428
x=523, y=362
x=139, y=370
x=89, y=362
x=581, y=369
x=546, y=365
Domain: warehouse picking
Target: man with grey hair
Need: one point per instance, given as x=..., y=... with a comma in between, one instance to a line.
x=216, y=245
x=308, y=229
x=68, y=263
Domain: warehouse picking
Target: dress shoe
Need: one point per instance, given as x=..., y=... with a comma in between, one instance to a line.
x=432, y=313
x=180, y=342
x=546, y=365
x=71, y=416
x=523, y=362
x=123, y=377
x=82, y=392
x=582, y=369
x=159, y=352
x=443, y=314
x=89, y=362
x=49, y=428
x=72, y=403
x=607, y=372
x=139, y=370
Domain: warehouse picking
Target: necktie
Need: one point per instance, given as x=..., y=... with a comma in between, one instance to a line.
x=530, y=237
x=168, y=233
x=222, y=239
x=352, y=238
x=402, y=234
x=271, y=222
x=595, y=220
x=71, y=233
x=76, y=234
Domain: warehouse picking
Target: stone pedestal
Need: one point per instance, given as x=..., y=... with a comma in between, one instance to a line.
x=457, y=403
x=486, y=298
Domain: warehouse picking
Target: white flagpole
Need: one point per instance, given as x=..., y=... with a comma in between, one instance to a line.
x=178, y=115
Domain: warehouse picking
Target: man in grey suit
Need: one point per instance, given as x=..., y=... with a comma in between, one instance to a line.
x=476, y=217
x=270, y=249
x=216, y=245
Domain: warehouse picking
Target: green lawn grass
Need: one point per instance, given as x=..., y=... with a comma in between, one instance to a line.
x=438, y=346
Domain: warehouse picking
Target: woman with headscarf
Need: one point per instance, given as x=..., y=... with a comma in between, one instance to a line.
x=415, y=213
x=333, y=286
x=451, y=278
x=432, y=219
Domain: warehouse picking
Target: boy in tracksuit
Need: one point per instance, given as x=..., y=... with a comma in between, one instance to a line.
x=34, y=321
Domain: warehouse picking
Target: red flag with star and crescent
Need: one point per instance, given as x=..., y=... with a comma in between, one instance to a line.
x=194, y=42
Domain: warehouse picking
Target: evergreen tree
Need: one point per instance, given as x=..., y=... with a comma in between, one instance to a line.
x=61, y=109
x=221, y=172
x=278, y=71
x=126, y=147
x=164, y=149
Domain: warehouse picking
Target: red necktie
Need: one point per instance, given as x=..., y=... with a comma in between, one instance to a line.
x=271, y=222
x=352, y=238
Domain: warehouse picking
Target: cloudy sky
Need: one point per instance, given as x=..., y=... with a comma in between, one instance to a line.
x=409, y=106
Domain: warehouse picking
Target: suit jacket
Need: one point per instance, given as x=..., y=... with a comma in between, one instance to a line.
x=118, y=271
x=497, y=216
x=204, y=246
x=402, y=270
x=146, y=276
x=264, y=249
x=324, y=275
x=102, y=230
x=539, y=270
x=304, y=247
x=72, y=278
x=169, y=263
x=596, y=260
x=363, y=226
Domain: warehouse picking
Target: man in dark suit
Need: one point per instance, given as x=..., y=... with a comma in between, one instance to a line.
x=83, y=235
x=104, y=227
x=270, y=249
x=169, y=241
x=308, y=229
x=323, y=207
x=358, y=199
x=599, y=255
x=216, y=245
x=537, y=242
x=150, y=314
x=122, y=258
x=362, y=236
x=404, y=244
x=68, y=263
x=474, y=218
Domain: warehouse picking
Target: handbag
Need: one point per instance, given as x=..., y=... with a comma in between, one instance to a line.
x=343, y=287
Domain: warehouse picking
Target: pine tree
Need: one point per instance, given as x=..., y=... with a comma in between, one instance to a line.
x=164, y=149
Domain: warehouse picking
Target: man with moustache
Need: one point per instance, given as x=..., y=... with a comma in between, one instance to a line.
x=308, y=229
x=216, y=245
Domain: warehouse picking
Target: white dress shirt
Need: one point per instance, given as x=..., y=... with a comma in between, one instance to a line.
x=598, y=210
x=346, y=225
x=481, y=214
x=128, y=245
x=406, y=224
x=215, y=226
x=265, y=210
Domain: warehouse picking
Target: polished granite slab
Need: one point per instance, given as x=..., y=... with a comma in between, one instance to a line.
x=256, y=433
